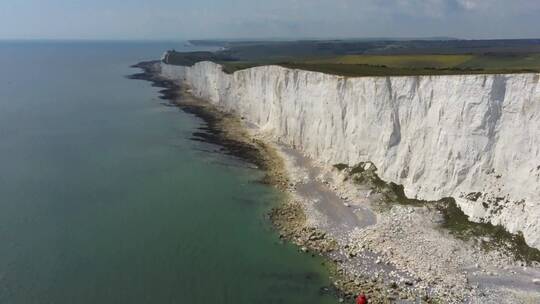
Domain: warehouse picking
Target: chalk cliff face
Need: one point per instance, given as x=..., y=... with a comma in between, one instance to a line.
x=472, y=137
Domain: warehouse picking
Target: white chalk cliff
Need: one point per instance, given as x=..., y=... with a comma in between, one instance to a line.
x=472, y=137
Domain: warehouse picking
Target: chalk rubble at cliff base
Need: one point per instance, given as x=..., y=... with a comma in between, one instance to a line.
x=407, y=253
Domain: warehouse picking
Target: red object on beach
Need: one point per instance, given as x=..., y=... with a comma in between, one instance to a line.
x=361, y=299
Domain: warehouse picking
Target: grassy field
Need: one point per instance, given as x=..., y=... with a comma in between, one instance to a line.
x=485, y=62
x=360, y=70
x=398, y=61
x=381, y=65
x=405, y=65
x=522, y=61
x=354, y=58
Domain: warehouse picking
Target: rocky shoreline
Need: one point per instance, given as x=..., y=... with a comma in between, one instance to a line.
x=288, y=218
x=401, y=257
x=220, y=128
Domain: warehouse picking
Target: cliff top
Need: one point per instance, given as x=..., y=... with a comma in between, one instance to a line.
x=375, y=58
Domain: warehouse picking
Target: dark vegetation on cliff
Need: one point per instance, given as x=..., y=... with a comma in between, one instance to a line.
x=374, y=57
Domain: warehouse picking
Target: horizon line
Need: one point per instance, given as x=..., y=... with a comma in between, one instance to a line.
x=434, y=38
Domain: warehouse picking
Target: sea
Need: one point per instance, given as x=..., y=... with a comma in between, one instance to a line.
x=105, y=197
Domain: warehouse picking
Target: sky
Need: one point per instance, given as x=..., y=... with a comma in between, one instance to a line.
x=290, y=19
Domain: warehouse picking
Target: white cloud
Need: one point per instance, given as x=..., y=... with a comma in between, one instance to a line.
x=514, y=7
x=469, y=4
x=419, y=8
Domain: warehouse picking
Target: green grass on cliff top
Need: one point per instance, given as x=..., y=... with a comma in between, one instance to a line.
x=403, y=65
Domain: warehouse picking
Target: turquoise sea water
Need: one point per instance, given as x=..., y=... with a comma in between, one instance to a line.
x=105, y=199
